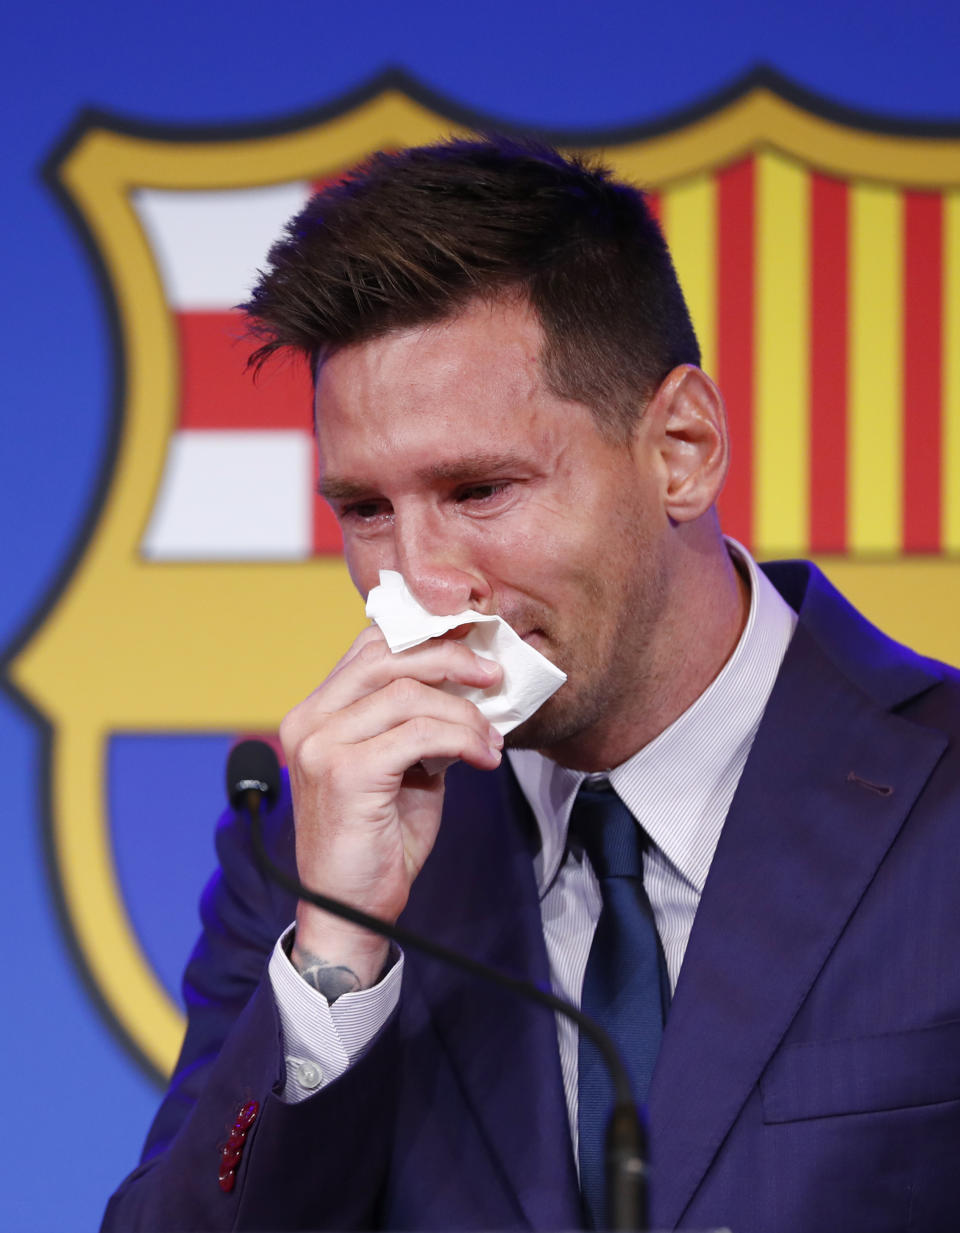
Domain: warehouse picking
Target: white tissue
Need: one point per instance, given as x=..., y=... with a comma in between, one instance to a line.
x=529, y=678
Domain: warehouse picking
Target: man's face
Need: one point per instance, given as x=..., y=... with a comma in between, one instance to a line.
x=445, y=457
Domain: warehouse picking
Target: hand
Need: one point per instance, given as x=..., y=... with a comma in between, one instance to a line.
x=366, y=812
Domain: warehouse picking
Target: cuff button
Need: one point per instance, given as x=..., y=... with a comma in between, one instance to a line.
x=309, y=1075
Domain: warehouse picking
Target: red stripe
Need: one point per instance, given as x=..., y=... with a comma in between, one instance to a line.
x=217, y=391
x=829, y=331
x=922, y=370
x=655, y=205
x=735, y=315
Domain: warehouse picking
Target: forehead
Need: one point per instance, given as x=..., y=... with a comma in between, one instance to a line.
x=491, y=341
x=472, y=378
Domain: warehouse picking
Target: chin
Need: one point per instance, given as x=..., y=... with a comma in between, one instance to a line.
x=551, y=725
x=570, y=723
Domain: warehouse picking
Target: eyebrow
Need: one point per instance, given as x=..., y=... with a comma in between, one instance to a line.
x=456, y=471
x=334, y=489
x=473, y=466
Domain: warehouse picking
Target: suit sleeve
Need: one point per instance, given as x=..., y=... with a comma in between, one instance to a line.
x=292, y=1161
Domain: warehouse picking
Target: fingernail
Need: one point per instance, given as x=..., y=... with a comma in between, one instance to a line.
x=496, y=739
x=496, y=753
x=489, y=667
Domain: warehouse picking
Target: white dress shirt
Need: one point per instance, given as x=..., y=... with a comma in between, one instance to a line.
x=678, y=787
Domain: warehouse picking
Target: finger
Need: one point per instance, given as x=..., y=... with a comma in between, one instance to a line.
x=400, y=701
x=388, y=757
x=358, y=785
x=373, y=665
x=434, y=661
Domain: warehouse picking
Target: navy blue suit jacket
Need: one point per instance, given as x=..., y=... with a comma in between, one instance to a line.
x=809, y=1077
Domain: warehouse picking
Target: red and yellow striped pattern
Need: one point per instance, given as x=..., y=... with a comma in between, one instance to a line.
x=829, y=313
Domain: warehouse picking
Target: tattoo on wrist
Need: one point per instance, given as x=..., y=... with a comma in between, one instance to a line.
x=330, y=979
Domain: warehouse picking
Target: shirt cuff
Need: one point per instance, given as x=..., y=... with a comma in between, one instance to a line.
x=321, y=1041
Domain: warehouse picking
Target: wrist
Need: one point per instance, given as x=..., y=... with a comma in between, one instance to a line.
x=336, y=957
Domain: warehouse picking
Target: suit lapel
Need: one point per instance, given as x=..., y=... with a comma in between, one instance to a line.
x=829, y=782
x=477, y=893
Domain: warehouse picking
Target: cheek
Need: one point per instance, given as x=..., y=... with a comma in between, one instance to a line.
x=547, y=536
x=552, y=559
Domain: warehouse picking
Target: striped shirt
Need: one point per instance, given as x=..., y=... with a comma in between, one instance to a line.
x=679, y=788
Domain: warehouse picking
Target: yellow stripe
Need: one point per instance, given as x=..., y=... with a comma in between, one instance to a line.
x=950, y=474
x=876, y=370
x=689, y=211
x=781, y=491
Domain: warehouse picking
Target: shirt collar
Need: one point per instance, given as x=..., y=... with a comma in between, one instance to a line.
x=680, y=785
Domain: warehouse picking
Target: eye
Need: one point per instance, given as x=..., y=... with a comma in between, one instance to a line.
x=480, y=493
x=363, y=511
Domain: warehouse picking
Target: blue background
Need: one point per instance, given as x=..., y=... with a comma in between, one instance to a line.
x=76, y=1105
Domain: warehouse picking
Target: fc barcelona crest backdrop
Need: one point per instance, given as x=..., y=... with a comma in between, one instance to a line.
x=171, y=579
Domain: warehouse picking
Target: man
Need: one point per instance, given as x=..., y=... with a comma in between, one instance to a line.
x=510, y=413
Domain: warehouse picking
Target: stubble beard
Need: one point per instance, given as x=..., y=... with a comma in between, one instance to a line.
x=605, y=685
x=559, y=721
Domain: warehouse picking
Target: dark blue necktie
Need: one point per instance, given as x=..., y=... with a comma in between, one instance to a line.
x=625, y=987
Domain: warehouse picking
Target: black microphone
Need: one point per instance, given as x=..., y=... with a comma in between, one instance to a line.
x=253, y=776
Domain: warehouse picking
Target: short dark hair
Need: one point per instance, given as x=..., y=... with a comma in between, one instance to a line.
x=412, y=237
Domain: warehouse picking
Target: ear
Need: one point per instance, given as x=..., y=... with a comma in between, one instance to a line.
x=685, y=425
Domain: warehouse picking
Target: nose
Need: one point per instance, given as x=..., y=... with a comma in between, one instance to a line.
x=439, y=567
